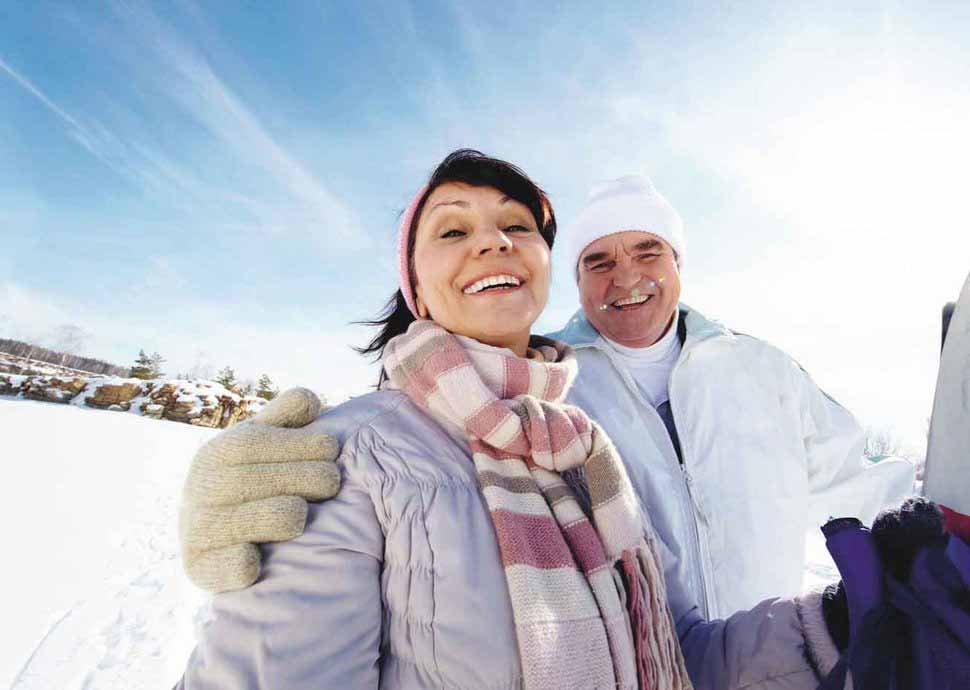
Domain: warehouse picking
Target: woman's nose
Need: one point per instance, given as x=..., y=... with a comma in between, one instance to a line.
x=493, y=240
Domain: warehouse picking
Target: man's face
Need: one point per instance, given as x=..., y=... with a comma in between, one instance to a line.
x=635, y=274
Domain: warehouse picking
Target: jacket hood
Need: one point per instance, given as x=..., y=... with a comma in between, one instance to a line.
x=579, y=332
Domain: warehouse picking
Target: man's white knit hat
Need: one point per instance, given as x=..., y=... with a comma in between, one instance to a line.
x=626, y=203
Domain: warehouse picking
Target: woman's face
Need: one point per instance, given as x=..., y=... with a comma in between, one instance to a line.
x=481, y=266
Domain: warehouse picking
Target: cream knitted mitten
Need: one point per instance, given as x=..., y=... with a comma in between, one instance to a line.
x=249, y=485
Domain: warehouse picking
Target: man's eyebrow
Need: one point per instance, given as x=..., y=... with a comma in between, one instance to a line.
x=646, y=244
x=594, y=257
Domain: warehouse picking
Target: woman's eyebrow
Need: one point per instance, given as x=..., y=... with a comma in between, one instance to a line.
x=456, y=202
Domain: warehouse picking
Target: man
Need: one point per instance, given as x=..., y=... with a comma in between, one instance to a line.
x=742, y=451
x=730, y=446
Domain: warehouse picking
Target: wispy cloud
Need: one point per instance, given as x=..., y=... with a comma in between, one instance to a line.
x=85, y=136
x=253, y=182
x=188, y=80
x=40, y=95
x=131, y=160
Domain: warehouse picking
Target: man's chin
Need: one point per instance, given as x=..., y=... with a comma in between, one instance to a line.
x=635, y=334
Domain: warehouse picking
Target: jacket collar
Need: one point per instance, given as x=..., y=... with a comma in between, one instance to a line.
x=694, y=327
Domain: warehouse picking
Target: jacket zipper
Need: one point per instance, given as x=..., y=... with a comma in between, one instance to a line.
x=699, y=550
x=702, y=552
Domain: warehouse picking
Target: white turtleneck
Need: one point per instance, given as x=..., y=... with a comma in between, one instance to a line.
x=650, y=366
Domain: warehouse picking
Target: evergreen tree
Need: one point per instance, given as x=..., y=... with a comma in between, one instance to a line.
x=246, y=388
x=143, y=367
x=156, y=362
x=227, y=378
x=265, y=388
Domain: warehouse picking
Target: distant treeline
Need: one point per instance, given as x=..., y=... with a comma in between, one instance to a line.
x=63, y=359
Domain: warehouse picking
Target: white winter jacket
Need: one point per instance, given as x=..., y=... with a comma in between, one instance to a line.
x=397, y=583
x=766, y=454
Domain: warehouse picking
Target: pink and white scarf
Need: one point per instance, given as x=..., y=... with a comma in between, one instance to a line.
x=588, y=596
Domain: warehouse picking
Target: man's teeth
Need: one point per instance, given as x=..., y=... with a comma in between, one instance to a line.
x=631, y=300
x=492, y=281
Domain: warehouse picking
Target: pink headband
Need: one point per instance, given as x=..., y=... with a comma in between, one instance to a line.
x=403, y=236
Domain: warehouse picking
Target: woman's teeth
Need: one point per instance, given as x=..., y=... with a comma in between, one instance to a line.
x=492, y=281
x=631, y=300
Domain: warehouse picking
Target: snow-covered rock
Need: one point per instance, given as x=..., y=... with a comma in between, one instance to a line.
x=52, y=388
x=106, y=395
x=11, y=384
x=200, y=403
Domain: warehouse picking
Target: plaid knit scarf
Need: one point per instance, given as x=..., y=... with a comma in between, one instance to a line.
x=588, y=595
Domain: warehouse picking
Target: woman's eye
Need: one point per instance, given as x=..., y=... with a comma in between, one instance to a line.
x=452, y=233
x=518, y=228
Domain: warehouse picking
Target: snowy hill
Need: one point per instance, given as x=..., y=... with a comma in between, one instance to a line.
x=93, y=596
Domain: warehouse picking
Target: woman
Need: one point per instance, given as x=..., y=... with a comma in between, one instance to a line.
x=485, y=535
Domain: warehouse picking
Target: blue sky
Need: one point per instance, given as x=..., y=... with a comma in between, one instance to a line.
x=220, y=181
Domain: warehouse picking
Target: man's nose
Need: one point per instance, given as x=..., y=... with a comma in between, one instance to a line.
x=626, y=275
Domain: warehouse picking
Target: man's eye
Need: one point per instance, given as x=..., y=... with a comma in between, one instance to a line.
x=647, y=257
x=454, y=232
x=518, y=228
x=601, y=268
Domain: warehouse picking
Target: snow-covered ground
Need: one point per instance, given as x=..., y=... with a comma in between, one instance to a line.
x=92, y=592
x=92, y=595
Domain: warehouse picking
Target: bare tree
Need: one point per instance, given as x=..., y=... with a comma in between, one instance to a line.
x=70, y=339
x=29, y=351
x=156, y=362
x=245, y=387
x=203, y=368
x=880, y=443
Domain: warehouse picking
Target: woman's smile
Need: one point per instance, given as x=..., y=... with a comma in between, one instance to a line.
x=494, y=283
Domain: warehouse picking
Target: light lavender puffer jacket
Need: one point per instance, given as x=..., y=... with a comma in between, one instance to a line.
x=397, y=583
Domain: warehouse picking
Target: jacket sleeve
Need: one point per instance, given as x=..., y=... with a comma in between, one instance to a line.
x=313, y=620
x=759, y=649
x=763, y=648
x=841, y=481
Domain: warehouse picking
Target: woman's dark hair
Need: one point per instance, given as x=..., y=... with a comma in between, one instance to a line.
x=473, y=168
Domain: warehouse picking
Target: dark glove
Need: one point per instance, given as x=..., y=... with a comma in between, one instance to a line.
x=912, y=627
x=835, y=611
x=901, y=532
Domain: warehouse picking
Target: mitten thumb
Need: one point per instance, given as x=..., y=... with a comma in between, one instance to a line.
x=292, y=409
